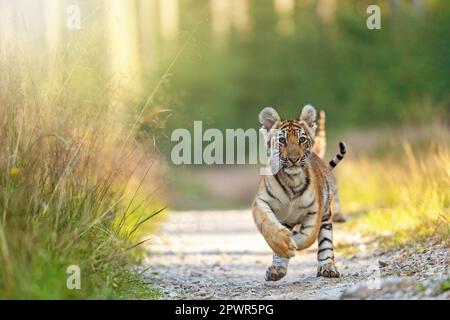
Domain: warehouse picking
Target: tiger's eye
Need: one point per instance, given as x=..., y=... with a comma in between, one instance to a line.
x=302, y=139
x=282, y=140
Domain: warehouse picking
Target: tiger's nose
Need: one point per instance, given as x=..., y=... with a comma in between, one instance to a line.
x=294, y=159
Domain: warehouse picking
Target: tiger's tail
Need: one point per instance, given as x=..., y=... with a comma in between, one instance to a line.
x=320, y=143
x=339, y=156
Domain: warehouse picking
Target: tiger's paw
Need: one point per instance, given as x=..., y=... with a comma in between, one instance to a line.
x=328, y=270
x=282, y=243
x=275, y=273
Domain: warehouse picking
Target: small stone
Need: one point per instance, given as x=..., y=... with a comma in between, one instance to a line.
x=382, y=263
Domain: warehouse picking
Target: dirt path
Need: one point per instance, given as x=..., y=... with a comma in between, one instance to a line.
x=220, y=255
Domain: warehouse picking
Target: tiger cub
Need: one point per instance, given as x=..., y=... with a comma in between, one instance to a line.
x=292, y=205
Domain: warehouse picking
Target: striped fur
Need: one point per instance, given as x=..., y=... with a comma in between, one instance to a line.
x=292, y=207
x=339, y=156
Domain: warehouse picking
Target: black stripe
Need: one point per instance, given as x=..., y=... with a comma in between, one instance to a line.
x=291, y=188
x=324, y=259
x=327, y=226
x=281, y=185
x=304, y=187
x=286, y=225
x=325, y=239
x=309, y=206
x=339, y=157
x=268, y=204
x=269, y=192
x=292, y=175
x=312, y=213
x=324, y=249
x=325, y=218
x=332, y=164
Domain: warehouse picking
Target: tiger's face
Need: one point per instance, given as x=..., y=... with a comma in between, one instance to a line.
x=290, y=142
x=294, y=143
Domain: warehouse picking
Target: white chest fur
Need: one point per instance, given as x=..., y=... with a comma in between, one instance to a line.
x=289, y=208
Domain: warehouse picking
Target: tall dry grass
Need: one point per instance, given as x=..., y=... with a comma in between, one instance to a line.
x=73, y=190
x=402, y=196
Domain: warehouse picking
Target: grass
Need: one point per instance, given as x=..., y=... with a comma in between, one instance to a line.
x=401, y=197
x=73, y=189
x=445, y=285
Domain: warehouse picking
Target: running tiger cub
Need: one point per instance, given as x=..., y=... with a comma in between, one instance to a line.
x=292, y=206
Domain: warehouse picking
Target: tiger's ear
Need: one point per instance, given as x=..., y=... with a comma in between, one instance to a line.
x=309, y=115
x=267, y=117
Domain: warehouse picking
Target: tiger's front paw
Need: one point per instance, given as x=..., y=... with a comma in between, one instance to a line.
x=282, y=243
x=328, y=270
x=275, y=273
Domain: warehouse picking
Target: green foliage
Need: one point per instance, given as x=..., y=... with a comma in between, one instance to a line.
x=445, y=286
x=360, y=77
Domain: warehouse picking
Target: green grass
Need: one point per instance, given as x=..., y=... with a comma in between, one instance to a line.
x=445, y=285
x=45, y=278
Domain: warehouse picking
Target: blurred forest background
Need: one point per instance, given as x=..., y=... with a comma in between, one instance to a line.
x=87, y=115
